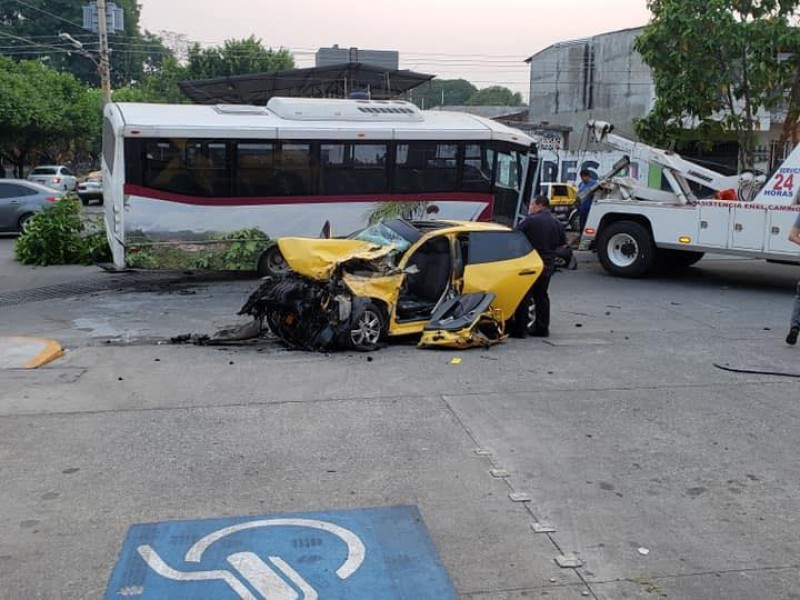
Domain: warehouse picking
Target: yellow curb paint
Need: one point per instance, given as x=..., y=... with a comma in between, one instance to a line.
x=52, y=351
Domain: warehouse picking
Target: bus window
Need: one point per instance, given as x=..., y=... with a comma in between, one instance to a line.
x=256, y=169
x=509, y=174
x=477, y=168
x=426, y=167
x=508, y=183
x=193, y=168
x=297, y=174
x=354, y=168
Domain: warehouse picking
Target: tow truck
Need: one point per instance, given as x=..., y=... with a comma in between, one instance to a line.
x=636, y=229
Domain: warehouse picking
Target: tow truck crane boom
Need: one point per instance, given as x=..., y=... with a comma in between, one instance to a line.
x=677, y=170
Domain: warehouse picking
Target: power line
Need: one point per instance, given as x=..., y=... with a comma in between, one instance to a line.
x=55, y=16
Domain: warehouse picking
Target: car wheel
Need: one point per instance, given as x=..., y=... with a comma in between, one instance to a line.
x=366, y=329
x=85, y=201
x=24, y=222
x=626, y=249
x=272, y=263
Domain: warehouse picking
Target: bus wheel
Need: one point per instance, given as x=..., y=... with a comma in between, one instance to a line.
x=626, y=249
x=272, y=263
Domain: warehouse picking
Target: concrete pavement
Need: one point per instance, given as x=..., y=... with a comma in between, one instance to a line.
x=663, y=475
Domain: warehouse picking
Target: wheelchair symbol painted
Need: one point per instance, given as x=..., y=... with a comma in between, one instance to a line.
x=273, y=578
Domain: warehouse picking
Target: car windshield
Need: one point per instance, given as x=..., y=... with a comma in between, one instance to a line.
x=43, y=171
x=395, y=233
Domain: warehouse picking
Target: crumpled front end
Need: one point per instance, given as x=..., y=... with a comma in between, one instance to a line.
x=465, y=322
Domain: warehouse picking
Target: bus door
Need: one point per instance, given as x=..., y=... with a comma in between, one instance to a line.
x=508, y=185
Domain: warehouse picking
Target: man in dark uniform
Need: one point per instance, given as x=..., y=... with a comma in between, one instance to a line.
x=546, y=235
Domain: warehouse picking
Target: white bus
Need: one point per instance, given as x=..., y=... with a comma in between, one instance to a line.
x=184, y=183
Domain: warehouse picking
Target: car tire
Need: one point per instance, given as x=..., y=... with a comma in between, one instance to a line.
x=366, y=328
x=626, y=249
x=525, y=326
x=272, y=263
x=24, y=220
x=85, y=201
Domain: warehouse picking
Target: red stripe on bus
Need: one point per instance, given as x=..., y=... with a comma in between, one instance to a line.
x=268, y=200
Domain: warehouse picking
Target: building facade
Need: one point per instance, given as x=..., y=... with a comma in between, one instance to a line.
x=602, y=77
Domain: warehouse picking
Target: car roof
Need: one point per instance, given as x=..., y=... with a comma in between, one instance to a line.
x=454, y=225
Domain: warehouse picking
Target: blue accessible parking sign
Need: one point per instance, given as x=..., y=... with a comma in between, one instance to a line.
x=367, y=554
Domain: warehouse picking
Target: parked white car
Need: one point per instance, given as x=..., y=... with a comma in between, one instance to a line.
x=91, y=188
x=57, y=177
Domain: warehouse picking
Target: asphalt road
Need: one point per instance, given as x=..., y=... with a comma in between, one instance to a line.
x=664, y=475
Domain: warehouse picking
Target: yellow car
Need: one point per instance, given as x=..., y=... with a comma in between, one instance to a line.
x=392, y=279
x=563, y=202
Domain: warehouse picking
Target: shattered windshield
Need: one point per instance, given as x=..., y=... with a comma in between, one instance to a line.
x=389, y=233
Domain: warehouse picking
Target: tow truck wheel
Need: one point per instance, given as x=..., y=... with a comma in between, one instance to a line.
x=626, y=249
x=366, y=329
x=272, y=263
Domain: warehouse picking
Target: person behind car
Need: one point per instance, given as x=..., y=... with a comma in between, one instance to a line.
x=546, y=235
x=588, y=181
x=794, y=327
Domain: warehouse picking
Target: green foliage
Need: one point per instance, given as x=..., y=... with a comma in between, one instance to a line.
x=235, y=251
x=495, y=95
x=243, y=249
x=58, y=235
x=134, y=53
x=43, y=110
x=160, y=86
x=715, y=64
x=397, y=210
x=236, y=57
x=455, y=92
x=460, y=92
x=136, y=258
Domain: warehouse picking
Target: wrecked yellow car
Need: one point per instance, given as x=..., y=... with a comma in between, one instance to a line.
x=459, y=283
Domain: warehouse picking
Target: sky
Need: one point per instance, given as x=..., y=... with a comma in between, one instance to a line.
x=483, y=41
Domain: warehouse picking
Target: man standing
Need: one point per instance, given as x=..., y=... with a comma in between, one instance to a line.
x=794, y=327
x=588, y=181
x=545, y=234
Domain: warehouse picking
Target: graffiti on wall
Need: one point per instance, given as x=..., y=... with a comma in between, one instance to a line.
x=564, y=166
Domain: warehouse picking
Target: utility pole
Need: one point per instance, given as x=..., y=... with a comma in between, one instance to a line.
x=104, y=67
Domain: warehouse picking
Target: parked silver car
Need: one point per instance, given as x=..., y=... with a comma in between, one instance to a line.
x=20, y=200
x=57, y=177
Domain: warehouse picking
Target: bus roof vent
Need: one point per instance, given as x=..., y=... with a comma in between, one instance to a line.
x=240, y=109
x=313, y=109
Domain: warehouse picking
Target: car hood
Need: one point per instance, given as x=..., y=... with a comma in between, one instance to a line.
x=318, y=258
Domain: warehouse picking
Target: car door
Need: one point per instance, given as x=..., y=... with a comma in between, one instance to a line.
x=501, y=262
x=6, y=206
x=12, y=198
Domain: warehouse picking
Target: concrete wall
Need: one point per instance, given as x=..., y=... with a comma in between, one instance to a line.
x=597, y=78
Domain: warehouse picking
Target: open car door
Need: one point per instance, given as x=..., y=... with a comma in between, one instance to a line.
x=464, y=322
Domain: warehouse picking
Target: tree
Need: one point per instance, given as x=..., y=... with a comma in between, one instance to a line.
x=160, y=86
x=715, y=64
x=236, y=57
x=29, y=30
x=452, y=92
x=43, y=111
x=495, y=95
